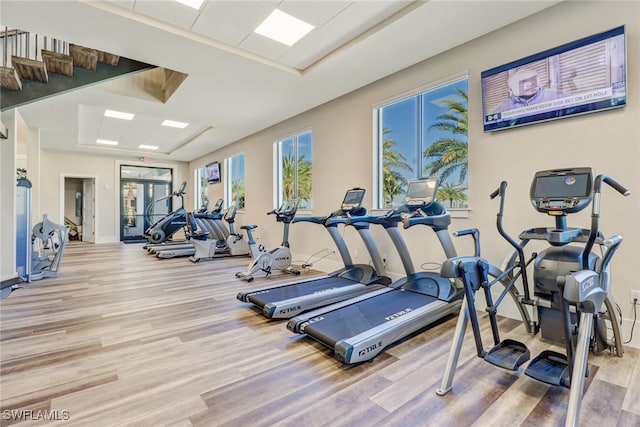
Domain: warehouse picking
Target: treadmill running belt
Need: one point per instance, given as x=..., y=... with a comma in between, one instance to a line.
x=298, y=289
x=364, y=315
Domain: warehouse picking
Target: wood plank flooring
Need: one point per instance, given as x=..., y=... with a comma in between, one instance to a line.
x=123, y=338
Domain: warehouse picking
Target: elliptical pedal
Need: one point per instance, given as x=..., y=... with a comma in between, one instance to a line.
x=509, y=354
x=550, y=367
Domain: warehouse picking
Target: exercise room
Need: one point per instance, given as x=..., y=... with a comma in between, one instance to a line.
x=300, y=212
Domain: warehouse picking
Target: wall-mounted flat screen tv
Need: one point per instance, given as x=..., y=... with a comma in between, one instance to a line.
x=583, y=76
x=213, y=172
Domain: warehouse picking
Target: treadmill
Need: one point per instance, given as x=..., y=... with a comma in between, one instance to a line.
x=287, y=300
x=360, y=328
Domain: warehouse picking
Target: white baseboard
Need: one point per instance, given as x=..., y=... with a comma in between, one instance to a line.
x=9, y=276
x=107, y=239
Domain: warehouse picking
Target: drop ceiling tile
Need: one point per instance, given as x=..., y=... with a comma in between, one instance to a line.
x=219, y=30
x=385, y=8
x=168, y=11
x=316, y=13
x=114, y=129
x=342, y=28
x=125, y=4
x=89, y=122
x=263, y=46
x=245, y=15
x=140, y=132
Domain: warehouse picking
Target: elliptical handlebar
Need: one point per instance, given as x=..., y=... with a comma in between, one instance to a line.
x=475, y=233
x=612, y=183
x=501, y=191
x=595, y=212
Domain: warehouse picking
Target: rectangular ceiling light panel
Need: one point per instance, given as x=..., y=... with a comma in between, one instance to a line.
x=192, y=3
x=174, y=124
x=118, y=115
x=148, y=147
x=106, y=142
x=283, y=28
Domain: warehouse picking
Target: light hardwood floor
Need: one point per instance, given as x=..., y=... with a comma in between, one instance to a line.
x=122, y=338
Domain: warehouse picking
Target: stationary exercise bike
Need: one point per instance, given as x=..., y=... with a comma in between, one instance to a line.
x=168, y=225
x=278, y=258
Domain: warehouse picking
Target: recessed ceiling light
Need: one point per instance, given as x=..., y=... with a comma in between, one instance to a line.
x=283, y=28
x=148, y=147
x=106, y=142
x=192, y=3
x=118, y=115
x=173, y=124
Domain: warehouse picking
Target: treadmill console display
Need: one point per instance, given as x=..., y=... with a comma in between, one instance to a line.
x=353, y=199
x=562, y=191
x=421, y=192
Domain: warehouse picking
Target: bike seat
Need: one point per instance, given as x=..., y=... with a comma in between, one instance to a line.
x=248, y=227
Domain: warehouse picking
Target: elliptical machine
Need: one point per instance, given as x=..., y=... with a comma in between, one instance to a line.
x=168, y=225
x=275, y=259
x=572, y=296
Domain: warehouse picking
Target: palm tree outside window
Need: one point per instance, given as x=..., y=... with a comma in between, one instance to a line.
x=424, y=135
x=201, y=190
x=294, y=168
x=235, y=181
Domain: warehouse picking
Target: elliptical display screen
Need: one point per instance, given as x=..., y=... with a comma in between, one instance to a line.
x=562, y=191
x=562, y=186
x=353, y=199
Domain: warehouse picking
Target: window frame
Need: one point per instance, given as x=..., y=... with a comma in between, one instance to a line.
x=228, y=179
x=199, y=174
x=278, y=198
x=419, y=143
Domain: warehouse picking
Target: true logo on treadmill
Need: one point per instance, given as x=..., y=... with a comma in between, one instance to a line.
x=370, y=348
x=289, y=310
x=398, y=314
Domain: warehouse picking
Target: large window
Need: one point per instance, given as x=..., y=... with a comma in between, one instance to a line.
x=294, y=166
x=234, y=181
x=424, y=135
x=202, y=188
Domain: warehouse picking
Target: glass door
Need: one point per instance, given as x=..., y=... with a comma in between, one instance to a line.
x=140, y=188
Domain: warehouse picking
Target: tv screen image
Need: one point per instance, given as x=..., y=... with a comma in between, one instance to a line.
x=583, y=76
x=213, y=172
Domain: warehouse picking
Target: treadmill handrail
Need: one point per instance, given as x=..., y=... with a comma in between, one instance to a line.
x=437, y=221
x=391, y=218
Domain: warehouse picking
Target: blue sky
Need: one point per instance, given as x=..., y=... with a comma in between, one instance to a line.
x=402, y=121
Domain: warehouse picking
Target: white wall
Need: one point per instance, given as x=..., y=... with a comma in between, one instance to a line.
x=20, y=144
x=608, y=141
x=8, y=149
x=55, y=165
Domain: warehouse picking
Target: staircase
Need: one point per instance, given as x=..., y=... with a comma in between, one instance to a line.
x=29, y=74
